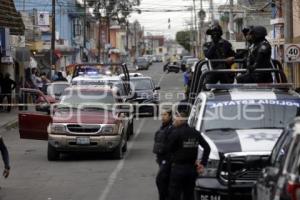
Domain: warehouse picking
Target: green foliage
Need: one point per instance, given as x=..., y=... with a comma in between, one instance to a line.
x=184, y=39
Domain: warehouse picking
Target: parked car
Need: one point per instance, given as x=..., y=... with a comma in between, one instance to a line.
x=172, y=67
x=87, y=118
x=281, y=179
x=141, y=63
x=190, y=62
x=183, y=62
x=149, y=59
x=157, y=58
x=146, y=101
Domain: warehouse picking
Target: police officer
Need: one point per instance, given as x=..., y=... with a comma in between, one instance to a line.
x=183, y=146
x=218, y=48
x=162, y=155
x=259, y=57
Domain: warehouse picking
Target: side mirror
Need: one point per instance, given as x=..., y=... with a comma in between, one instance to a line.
x=157, y=88
x=270, y=173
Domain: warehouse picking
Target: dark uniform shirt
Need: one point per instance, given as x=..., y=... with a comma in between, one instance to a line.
x=4, y=154
x=221, y=50
x=183, y=145
x=259, y=57
x=160, y=142
x=7, y=85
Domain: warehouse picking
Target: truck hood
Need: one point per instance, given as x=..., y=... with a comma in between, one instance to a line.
x=85, y=117
x=235, y=141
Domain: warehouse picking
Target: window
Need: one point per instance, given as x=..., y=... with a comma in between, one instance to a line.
x=281, y=148
x=76, y=27
x=294, y=159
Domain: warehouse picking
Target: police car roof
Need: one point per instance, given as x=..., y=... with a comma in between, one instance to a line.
x=91, y=88
x=96, y=77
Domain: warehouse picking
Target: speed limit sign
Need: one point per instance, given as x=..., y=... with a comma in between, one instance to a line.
x=292, y=53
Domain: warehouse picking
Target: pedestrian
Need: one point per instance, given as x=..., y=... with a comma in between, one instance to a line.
x=45, y=82
x=5, y=158
x=259, y=57
x=60, y=77
x=183, y=146
x=8, y=85
x=36, y=80
x=218, y=48
x=1, y=80
x=162, y=155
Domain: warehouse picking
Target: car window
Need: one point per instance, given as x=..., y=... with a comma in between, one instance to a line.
x=281, y=148
x=77, y=98
x=142, y=84
x=250, y=114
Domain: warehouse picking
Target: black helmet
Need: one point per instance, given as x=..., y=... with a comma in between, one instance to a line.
x=247, y=30
x=216, y=28
x=259, y=32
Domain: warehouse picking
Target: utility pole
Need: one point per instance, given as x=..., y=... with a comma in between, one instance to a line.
x=191, y=33
x=53, y=36
x=196, y=29
x=231, y=20
x=211, y=10
x=289, y=32
x=84, y=32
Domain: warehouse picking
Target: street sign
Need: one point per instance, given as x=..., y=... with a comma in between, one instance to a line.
x=292, y=53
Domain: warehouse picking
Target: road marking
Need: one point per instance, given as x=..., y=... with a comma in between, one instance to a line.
x=161, y=78
x=113, y=176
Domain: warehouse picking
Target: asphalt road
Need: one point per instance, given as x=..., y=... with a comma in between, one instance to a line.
x=89, y=176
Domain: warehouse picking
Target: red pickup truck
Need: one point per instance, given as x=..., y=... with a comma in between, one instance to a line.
x=87, y=118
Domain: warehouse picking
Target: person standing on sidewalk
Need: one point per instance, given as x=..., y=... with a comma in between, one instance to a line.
x=162, y=156
x=8, y=85
x=183, y=146
x=5, y=158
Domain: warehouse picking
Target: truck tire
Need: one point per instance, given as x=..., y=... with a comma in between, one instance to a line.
x=52, y=154
x=118, y=153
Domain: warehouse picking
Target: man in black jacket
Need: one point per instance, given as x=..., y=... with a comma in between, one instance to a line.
x=183, y=146
x=259, y=57
x=162, y=156
x=5, y=158
x=217, y=49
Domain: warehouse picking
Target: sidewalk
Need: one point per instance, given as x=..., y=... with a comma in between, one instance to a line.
x=8, y=120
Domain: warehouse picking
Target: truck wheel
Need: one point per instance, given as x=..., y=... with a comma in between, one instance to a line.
x=118, y=153
x=52, y=154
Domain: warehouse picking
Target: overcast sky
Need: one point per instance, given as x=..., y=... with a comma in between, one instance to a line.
x=156, y=22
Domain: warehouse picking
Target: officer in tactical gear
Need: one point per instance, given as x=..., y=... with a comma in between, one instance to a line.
x=259, y=57
x=218, y=48
x=162, y=155
x=183, y=146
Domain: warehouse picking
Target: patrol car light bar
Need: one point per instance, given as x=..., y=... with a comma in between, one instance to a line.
x=250, y=86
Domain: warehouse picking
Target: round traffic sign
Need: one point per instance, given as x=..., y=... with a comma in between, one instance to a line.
x=293, y=52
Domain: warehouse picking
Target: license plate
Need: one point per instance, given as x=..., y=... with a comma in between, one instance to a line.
x=83, y=140
x=210, y=197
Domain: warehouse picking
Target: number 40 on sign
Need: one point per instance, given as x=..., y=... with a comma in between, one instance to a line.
x=292, y=53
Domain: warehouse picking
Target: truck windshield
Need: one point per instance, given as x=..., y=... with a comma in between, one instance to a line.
x=142, y=84
x=77, y=99
x=250, y=114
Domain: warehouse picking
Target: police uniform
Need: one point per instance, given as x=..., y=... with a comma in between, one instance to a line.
x=163, y=159
x=220, y=50
x=183, y=146
x=259, y=57
x=4, y=153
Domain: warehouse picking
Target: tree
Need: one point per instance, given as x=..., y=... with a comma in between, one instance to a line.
x=184, y=39
x=116, y=10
